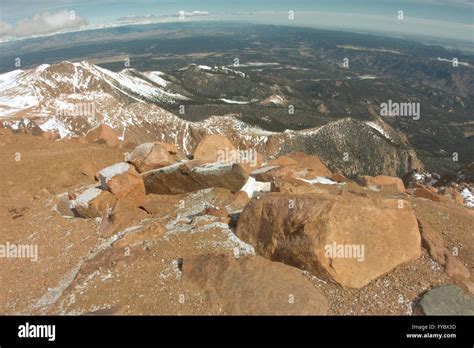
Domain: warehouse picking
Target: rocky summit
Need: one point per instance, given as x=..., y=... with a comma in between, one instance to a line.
x=123, y=228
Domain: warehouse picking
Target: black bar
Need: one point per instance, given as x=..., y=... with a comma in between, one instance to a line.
x=107, y=330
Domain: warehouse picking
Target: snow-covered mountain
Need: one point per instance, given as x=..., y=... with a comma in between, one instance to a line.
x=56, y=89
x=72, y=98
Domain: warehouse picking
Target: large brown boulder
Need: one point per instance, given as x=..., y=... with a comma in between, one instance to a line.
x=434, y=243
x=151, y=156
x=211, y=148
x=282, y=161
x=193, y=176
x=384, y=183
x=251, y=286
x=94, y=202
x=102, y=134
x=314, y=165
x=345, y=238
x=124, y=182
x=270, y=172
x=424, y=192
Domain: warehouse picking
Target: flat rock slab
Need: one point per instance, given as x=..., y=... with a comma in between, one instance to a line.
x=252, y=286
x=193, y=176
x=446, y=300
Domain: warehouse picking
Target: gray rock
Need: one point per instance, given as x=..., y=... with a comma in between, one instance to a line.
x=446, y=300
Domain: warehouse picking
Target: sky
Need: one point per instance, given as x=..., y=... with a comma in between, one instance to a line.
x=442, y=19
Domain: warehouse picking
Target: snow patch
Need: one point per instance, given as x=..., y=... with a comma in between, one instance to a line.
x=54, y=124
x=85, y=197
x=320, y=180
x=379, y=129
x=468, y=198
x=228, y=101
x=108, y=173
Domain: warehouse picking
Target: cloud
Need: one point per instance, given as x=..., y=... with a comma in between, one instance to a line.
x=452, y=3
x=42, y=23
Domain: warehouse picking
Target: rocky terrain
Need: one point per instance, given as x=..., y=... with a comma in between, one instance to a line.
x=235, y=169
x=214, y=227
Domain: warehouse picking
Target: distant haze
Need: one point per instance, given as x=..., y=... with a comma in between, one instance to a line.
x=443, y=19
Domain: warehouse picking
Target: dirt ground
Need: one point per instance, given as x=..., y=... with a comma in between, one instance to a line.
x=79, y=272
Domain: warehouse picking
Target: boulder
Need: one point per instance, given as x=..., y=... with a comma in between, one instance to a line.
x=283, y=161
x=454, y=195
x=102, y=134
x=215, y=211
x=446, y=300
x=193, y=176
x=124, y=182
x=291, y=184
x=270, y=173
x=423, y=192
x=161, y=205
x=312, y=163
x=121, y=217
x=348, y=239
x=63, y=206
x=93, y=203
x=434, y=243
x=251, y=286
x=339, y=177
x=141, y=236
x=384, y=183
x=51, y=135
x=241, y=199
x=211, y=148
x=151, y=156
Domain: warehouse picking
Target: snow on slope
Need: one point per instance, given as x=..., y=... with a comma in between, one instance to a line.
x=379, y=129
x=47, y=88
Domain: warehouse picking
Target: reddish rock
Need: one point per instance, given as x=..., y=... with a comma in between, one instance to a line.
x=423, y=192
x=291, y=184
x=384, y=183
x=312, y=163
x=251, y=286
x=94, y=202
x=102, y=134
x=215, y=211
x=241, y=197
x=151, y=156
x=193, y=176
x=434, y=243
x=51, y=135
x=339, y=177
x=455, y=269
x=212, y=147
x=124, y=182
x=282, y=161
x=63, y=206
x=454, y=195
x=161, y=205
x=141, y=236
x=308, y=230
x=122, y=216
x=269, y=173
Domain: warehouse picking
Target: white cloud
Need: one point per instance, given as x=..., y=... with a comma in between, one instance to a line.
x=42, y=23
